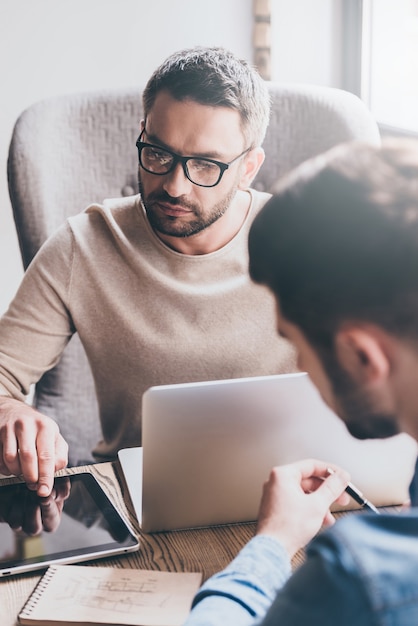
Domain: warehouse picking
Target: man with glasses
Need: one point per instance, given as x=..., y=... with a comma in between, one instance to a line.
x=156, y=285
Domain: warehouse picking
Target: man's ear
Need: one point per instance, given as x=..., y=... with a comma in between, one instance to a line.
x=363, y=353
x=252, y=163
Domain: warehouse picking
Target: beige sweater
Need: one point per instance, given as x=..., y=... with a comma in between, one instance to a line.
x=147, y=315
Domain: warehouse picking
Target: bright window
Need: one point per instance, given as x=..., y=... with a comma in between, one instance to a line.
x=390, y=62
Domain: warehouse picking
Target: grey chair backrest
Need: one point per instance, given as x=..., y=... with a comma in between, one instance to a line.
x=69, y=151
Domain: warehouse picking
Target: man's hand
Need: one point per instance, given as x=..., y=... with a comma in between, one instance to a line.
x=30, y=445
x=296, y=501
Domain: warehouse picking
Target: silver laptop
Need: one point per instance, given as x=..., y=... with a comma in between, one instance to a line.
x=208, y=447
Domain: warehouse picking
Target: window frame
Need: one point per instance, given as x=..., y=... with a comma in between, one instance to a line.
x=356, y=56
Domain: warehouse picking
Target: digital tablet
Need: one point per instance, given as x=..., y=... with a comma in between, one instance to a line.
x=77, y=523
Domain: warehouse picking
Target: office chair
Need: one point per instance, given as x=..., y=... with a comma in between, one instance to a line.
x=69, y=151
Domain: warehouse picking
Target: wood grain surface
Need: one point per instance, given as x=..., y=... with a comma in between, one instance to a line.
x=205, y=550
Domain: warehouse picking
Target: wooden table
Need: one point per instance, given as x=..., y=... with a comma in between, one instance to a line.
x=204, y=550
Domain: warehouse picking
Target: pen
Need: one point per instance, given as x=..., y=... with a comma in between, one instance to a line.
x=357, y=496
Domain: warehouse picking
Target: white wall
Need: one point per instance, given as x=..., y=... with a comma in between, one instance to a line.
x=49, y=47
x=306, y=41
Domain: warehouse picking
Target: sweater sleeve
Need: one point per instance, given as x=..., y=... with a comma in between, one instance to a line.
x=37, y=325
x=242, y=593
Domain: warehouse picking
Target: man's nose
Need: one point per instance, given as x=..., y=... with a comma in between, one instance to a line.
x=176, y=182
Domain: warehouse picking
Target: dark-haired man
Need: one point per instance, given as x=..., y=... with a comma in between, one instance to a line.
x=338, y=247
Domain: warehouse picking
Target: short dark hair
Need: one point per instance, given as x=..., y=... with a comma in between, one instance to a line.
x=214, y=77
x=338, y=241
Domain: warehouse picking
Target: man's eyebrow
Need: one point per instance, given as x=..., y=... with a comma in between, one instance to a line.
x=154, y=139
x=208, y=155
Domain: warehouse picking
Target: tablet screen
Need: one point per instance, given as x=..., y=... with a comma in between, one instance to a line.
x=77, y=523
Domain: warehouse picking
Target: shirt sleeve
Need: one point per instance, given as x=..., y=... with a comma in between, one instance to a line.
x=331, y=587
x=243, y=592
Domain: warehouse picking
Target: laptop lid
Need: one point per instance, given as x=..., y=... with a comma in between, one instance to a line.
x=208, y=448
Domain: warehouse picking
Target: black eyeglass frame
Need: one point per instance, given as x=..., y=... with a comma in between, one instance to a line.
x=177, y=158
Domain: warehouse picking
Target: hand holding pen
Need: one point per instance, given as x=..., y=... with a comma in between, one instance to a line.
x=358, y=496
x=296, y=502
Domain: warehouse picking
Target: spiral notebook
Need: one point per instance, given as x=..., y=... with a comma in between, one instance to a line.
x=76, y=595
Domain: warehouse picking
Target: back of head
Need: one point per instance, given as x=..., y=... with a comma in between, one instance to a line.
x=214, y=77
x=339, y=240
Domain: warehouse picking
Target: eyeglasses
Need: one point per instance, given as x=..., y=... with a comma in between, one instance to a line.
x=199, y=170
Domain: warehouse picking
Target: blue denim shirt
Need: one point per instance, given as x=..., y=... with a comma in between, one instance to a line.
x=363, y=571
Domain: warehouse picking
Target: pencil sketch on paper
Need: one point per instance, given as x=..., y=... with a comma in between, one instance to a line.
x=121, y=596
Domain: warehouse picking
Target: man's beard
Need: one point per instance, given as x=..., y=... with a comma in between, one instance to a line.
x=177, y=227
x=358, y=410
x=361, y=412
